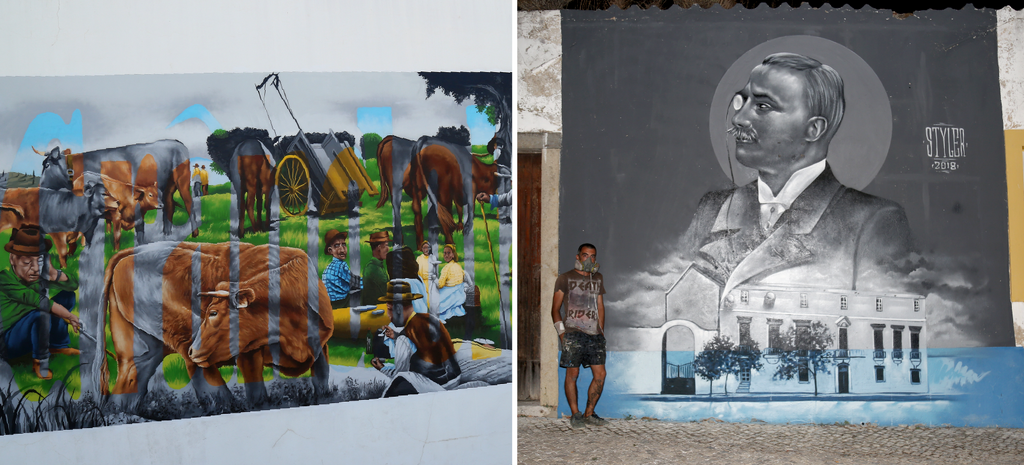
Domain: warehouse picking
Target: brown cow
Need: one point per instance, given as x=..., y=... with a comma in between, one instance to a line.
x=430, y=160
x=149, y=298
x=257, y=179
x=254, y=346
x=120, y=199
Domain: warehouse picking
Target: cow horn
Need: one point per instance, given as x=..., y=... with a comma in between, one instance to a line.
x=221, y=294
x=37, y=151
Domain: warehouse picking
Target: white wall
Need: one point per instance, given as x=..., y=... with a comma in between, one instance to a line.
x=43, y=38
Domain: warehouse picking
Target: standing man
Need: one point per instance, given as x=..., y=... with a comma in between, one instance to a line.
x=375, y=275
x=30, y=321
x=204, y=176
x=582, y=332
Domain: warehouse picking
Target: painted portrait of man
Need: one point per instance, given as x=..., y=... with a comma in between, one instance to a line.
x=796, y=224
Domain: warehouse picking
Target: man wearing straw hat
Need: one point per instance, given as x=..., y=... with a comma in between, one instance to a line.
x=30, y=321
x=424, y=353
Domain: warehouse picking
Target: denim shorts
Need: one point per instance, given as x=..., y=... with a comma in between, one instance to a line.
x=582, y=349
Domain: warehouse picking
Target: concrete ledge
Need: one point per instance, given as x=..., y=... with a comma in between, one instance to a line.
x=534, y=409
x=535, y=142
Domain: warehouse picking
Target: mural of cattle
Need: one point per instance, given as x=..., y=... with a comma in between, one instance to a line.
x=294, y=339
x=162, y=164
x=149, y=292
x=433, y=168
x=62, y=214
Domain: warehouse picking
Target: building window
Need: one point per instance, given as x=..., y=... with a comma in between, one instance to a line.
x=879, y=374
x=744, y=322
x=774, y=333
x=842, y=303
x=878, y=304
x=915, y=376
x=915, y=337
x=803, y=300
x=917, y=305
x=744, y=297
x=843, y=339
x=804, y=374
x=879, y=354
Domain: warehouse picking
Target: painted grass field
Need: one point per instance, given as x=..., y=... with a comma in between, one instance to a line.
x=293, y=232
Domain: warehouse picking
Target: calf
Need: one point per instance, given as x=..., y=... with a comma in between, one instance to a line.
x=59, y=213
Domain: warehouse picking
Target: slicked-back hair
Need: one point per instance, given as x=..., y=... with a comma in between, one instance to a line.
x=825, y=96
x=585, y=244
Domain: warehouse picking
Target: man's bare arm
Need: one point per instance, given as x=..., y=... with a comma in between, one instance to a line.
x=556, y=306
x=600, y=312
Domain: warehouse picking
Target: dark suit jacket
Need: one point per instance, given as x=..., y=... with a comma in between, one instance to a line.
x=832, y=237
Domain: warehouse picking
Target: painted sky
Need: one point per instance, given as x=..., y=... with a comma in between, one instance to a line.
x=96, y=112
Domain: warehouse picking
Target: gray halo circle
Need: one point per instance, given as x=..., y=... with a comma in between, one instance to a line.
x=861, y=144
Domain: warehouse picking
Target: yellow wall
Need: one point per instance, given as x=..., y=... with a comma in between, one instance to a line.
x=1015, y=202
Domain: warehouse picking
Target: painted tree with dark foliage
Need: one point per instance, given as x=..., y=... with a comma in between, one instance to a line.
x=715, y=360
x=805, y=348
x=482, y=89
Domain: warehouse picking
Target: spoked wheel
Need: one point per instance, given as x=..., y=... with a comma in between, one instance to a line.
x=293, y=185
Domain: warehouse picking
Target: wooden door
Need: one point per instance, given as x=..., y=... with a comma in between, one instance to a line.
x=528, y=305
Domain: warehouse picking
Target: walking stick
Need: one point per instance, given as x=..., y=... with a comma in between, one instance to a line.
x=490, y=248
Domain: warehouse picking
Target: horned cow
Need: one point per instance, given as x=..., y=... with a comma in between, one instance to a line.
x=149, y=297
x=163, y=164
x=255, y=345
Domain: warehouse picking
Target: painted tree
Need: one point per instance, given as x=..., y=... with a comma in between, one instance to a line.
x=456, y=135
x=805, y=347
x=489, y=110
x=368, y=144
x=493, y=89
x=715, y=360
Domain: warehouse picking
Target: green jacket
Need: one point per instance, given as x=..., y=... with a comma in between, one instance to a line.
x=375, y=281
x=18, y=298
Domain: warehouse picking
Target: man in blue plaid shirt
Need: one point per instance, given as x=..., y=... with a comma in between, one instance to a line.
x=337, y=277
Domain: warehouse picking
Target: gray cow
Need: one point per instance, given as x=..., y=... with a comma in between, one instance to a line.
x=164, y=162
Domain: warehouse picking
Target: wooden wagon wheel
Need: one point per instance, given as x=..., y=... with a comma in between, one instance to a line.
x=293, y=185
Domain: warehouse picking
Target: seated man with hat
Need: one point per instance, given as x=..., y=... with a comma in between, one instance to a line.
x=336, y=277
x=424, y=353
x=30, y=321
x=375, y=275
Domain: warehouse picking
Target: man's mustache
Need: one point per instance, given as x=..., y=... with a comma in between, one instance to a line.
x=741, y=132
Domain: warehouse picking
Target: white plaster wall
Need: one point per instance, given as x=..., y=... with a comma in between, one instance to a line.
x=192, y=36
x=540, y=71
x=1011, y=66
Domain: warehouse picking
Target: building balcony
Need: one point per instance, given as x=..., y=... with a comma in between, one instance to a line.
x=897, y=354
x=879, y=355
x=915, y=355
x=842, y=354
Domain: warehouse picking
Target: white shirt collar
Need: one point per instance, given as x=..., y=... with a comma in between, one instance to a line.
x=795, y=186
